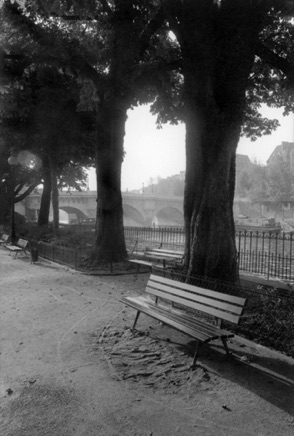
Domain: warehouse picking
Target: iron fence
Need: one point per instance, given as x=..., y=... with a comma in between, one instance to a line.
x=269, y=254
x=71, y=257
x=138, y=238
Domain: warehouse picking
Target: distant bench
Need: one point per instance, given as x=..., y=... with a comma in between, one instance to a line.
x=4, y=239
x=215, y=305
x=19, y=248
x=159, y=255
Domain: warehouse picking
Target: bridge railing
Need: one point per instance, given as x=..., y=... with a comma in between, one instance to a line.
x=268, y=254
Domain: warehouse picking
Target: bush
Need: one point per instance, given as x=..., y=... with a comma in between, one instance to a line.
x=269, y=320
x=67, y=237
x=32, y=231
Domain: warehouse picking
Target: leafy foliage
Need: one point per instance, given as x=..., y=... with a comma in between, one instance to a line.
x=268, y=320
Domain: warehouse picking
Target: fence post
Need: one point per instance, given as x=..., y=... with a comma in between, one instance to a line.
x=290, y=266
x=269, y=256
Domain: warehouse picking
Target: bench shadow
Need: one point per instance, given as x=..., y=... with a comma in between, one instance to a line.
x=266, y=377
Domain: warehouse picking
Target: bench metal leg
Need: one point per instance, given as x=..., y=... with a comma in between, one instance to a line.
x=136, y=319
x=196, y=354
x=224, y=341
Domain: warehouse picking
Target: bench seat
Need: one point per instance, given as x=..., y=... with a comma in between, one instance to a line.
x=159, y=256
x=19, y=248
x=192, y=301
x=141, y=262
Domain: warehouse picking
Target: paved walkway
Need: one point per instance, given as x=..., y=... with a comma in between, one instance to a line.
x=57, y=379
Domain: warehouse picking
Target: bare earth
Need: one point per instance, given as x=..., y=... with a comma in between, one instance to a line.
x=70, y=365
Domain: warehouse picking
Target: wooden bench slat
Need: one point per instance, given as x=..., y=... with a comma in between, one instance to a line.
x=162, y=250
x=14, y=248
x=141, y=262
x=161, y=255
x=167, y=320
x=192, y=320
x=197, y=306
x=227, y=307
x=210, y=330
x=207, y=302
x=196, y=289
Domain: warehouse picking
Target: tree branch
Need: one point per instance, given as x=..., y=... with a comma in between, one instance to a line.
x=276, y=61
x=153, y=25
x=27, y=192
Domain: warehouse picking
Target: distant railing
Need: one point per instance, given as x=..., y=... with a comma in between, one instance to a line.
x=269, y=254
x=69, y=256
x=137, y=238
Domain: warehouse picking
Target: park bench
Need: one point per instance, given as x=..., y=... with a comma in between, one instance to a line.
x=188, y=308
x=160, y=256
x=19, y=248
x=4, y=239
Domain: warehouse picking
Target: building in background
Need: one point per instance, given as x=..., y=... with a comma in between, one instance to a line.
x=283, y=153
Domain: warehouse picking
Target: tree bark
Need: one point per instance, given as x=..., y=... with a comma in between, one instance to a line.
x=208, y=201
x=43, y=218
x=110, y=241
x=4, y=202
x=217, y=44
x=54, y=193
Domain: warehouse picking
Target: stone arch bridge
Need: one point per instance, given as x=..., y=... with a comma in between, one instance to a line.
x=139, y=209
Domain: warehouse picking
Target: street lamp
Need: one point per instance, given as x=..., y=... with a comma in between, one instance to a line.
x=13, y=161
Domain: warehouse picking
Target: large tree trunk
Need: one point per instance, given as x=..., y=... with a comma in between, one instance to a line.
x=43, y=218
x=4, y=202
x=54, y=193
x=208, y=201
x=110, y=241
x=217, y=43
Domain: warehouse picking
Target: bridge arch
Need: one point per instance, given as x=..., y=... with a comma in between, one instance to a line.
x=169, y=217
x=132, y=217
x=71, y=211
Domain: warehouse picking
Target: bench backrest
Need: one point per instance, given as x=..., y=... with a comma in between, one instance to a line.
x=22, y=243
x=164, y=253
x=216, y=304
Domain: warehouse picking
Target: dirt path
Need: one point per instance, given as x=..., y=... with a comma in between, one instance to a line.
x=71, y=366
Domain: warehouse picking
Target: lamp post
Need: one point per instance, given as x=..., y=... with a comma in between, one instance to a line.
x=13, y=161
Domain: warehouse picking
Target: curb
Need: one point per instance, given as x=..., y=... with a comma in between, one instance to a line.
x=262, y=348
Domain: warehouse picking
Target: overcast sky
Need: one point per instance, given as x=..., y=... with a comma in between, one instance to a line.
x=152, y=152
